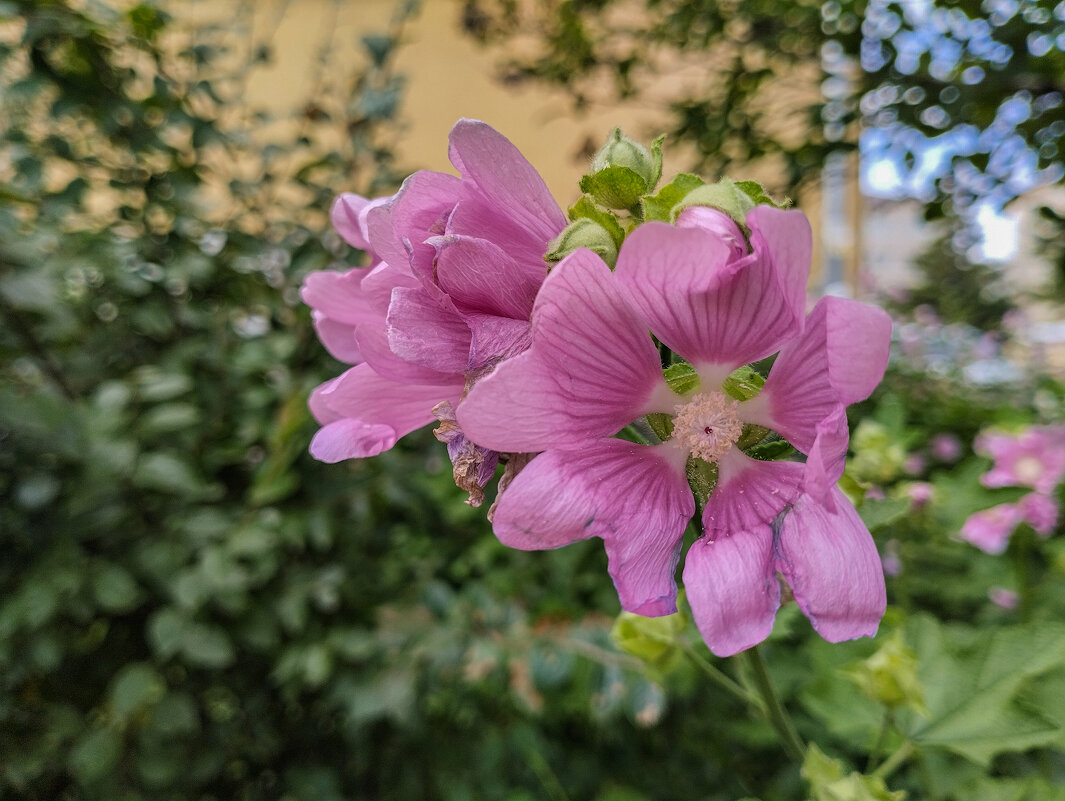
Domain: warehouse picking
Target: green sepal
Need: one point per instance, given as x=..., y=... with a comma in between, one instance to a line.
x=586, y=209
x=681, y=378
x=615, y=187
x=743, y=384
x=583, y=233
x=828, y=782
x=756, y=192
x=726, y=195
x=656, y=161
x=772, y=451
x=702, y=478
x=660, y=206
x=652, y=639
x=661, y=424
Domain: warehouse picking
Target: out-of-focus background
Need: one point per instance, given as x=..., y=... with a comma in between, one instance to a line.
x=192, y=608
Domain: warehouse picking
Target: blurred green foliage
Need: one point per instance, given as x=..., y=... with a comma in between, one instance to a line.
x=192, y=608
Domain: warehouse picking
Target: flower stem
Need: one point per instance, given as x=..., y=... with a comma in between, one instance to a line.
x=722, y=680
x=774, y=710
x=902, y=753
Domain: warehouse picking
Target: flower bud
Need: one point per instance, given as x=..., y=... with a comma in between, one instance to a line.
x=719, y=224
x=583, y=233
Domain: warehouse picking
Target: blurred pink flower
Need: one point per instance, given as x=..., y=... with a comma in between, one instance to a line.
x=920, y=492
x=1033, y=458
x=990, y=529
x=1000, y=596
x=456, y=264
x=946, y=448
x=1040, y=512
x=592, y=369
x=915, y=464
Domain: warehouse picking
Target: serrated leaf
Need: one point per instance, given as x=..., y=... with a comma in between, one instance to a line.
x=681, y=378
x=972, y=681
x=756, y=192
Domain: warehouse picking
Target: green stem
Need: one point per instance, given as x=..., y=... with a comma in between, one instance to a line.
x=902, y=753
x=1022, y=550
x=774, y=710
x=881, y=738
x=722, y=680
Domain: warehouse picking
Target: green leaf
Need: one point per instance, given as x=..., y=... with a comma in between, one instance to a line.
x=660, y=206
x=114, y=588
x=725, y=195
x=207, y=646
x=94, y=755
x=743, y=384
x=135, y=686
x=973, y=681
x=756, y=192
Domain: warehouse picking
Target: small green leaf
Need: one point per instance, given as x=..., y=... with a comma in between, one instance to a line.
x=829, y=782
x=135, y=686
x=743, y=384
x=681, y=378
x=94, y=755
x=585, y=208
x=756, y=192
x=771, y=451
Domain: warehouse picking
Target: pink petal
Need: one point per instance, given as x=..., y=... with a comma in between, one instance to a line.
x=839, y=359
x=504, y=178
x=349, y=218
x=1040, y=512
x=830, y=561
x=496, y=338
x=479, y=276
x=732, y=588
x=418, y=211
x=749, y=494
x=339, y=296
x=713, y=310
x=475, y=217
x=990, y=529
x=373, y=342
x=591, y=370
x=717, y=223
x=351, y=439
x=828, y=456
x=378, y=285
x=428, y=331
x=338, y=338
x=369, y=404
x=627, y=494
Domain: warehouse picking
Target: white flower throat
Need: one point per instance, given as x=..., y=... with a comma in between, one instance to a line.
x=708, y=425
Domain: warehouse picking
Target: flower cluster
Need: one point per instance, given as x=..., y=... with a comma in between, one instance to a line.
x=662, y=368
x=1033, y=458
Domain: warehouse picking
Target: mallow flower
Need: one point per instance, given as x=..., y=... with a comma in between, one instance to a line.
x=593, y=369
x=456, y=262
x=1032, y=458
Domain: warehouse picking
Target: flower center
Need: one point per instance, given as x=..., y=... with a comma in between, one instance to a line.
x=1028, y=469
x=707, y=425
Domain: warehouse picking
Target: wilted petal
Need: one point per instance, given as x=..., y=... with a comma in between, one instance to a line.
x=732, y=588
x=831, y=562
x=428, y=331
x=496, y=338
x=635, y=500
x=591, y=370
x=505, y=179
x=838, y=360
x=373, y=343
x=749, y=493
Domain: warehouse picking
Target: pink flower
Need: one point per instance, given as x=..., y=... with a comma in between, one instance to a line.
x=457, y=262
x=1040, y=512
x=1034, y=458
x=1003, y=598
x=946, y=447
x=990, y=529
x=920, y=492
x=592, y=369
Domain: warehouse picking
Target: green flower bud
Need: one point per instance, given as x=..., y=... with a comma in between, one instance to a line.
x=656, y=641
x=889, y=676
x=583, y=233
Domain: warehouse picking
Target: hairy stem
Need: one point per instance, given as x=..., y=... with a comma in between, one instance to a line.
x=774, y=710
